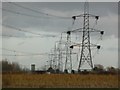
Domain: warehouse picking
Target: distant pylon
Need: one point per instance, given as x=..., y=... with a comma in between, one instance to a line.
x=68, y=61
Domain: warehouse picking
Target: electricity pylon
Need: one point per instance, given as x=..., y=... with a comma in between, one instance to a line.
x=86, y=55
x=68, y=61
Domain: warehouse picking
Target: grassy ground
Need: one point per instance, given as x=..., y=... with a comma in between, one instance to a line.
x=59, y=80
x=0, y=80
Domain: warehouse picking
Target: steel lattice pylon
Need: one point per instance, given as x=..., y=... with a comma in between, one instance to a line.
x=86, y=55
x=86, y=50
x=68, y=61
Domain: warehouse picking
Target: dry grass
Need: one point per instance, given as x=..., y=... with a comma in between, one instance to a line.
x=0, y=80
x=59, y=80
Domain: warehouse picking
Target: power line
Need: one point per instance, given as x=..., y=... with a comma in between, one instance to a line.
x=6, y=35
x=19, y=13
x=18, y=51
x=47, y=14
x=23, y=37
x=22, y=55
x=18, y=29
x=10, y=36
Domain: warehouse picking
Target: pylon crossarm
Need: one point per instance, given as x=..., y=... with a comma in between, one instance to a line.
x=90, y=30
x=94, y=30
x=77, y=30
x=76, y=45
x=90, y=15
x=93, y=45
x=81, y=15
x=80, y=45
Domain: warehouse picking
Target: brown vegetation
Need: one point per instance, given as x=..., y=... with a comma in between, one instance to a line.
x=13, y=76
x=59, y=80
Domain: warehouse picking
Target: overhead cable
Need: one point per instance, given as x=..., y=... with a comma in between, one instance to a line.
x=41, y=12
x=18, y=29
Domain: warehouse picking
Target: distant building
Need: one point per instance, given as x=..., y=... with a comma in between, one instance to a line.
x=32, y=67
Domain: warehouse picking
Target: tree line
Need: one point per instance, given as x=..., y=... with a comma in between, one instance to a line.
x=12, y=67
x=8, y=66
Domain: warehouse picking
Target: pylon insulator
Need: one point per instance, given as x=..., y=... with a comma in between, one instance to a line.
x=102, y=32
x=69, y=32
x=98, y=47
x=97, y=17
x=71, y=47
x=74, y=17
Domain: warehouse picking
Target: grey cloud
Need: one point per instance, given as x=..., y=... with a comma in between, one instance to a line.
x=104, y=9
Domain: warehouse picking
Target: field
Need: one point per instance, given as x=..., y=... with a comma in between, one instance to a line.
x=59, y=81
x=0, y=80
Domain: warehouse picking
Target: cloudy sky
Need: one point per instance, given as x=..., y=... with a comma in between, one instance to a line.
x=53, y=18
